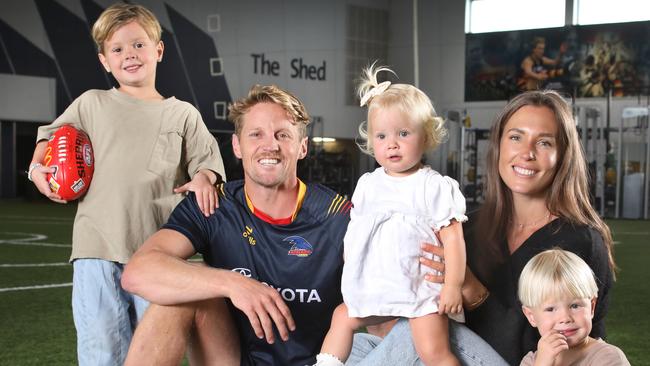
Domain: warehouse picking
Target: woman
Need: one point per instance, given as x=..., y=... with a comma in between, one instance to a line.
x=537, y=198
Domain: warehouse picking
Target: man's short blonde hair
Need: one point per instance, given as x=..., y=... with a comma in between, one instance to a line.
x=556, y=274
x=296, y=111
x=120, y=14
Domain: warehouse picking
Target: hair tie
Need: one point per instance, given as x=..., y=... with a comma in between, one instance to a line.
x=375, y=91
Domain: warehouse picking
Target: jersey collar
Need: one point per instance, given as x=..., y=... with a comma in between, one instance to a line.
x=302, y=189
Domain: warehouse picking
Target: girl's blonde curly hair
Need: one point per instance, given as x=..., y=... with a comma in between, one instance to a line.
x=409, y=99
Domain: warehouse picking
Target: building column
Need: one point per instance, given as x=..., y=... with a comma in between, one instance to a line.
x=8, y=172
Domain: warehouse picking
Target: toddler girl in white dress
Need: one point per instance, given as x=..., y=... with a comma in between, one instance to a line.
x=396, y=208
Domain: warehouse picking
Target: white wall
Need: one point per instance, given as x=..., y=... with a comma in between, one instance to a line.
x=314, y=31
x=27, y=98
x=284, y=32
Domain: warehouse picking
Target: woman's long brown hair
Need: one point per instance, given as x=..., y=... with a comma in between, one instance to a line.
x=567, y=197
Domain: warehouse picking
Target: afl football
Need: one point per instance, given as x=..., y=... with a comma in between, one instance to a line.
x=70, y=153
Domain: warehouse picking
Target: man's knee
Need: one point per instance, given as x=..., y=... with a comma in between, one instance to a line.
x=161, y=336
x=165, y=316
x=214, y=337
x=207, y=312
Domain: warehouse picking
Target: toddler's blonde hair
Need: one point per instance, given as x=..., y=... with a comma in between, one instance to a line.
x=556, y=274
x=410, y=100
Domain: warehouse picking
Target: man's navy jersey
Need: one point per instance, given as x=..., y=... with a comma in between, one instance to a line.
x=302, y=261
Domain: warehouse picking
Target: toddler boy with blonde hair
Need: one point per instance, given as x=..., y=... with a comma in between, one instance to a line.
x=558, y=292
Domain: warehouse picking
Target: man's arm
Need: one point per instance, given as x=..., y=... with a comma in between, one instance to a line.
x=527, y=66
x=159, y=272
x=558, y=58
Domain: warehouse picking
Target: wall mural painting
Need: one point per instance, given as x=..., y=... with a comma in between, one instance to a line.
x=585, y=61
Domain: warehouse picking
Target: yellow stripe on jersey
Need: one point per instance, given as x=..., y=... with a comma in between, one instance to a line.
x=222, y=193
x=302, y=190
x=332, y=204
x=335, y=206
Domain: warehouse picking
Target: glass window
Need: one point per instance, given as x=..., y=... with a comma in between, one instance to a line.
x=503, y=15
x=607, y=11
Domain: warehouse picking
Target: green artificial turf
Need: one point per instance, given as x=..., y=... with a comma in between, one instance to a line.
x=628, y=324
x=36, y=325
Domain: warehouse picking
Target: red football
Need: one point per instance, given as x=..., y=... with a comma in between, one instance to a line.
x=69, y=151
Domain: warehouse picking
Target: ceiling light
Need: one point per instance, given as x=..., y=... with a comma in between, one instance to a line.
x=323, y=139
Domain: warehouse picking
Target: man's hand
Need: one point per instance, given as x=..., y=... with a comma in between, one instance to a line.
x=542, y=75
x=263, y=306
x=549, y=347
x=39, y=177
x=205, y=191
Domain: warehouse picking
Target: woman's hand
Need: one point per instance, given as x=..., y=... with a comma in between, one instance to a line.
x=450, y=295
x=438, y=266
x=473, y=291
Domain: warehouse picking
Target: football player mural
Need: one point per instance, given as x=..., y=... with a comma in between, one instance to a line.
x=584, y=61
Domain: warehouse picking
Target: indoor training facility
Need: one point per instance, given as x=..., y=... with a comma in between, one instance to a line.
x=466, y=55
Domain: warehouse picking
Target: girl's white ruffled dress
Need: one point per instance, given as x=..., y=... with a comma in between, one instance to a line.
x=390, y=219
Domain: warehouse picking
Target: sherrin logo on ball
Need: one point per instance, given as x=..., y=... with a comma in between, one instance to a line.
x=70, y=153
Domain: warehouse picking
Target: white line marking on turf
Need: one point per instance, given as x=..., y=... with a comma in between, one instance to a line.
x=34, y=265
x=31, y=239
x=7, y=289
x=48, y=218
x=30, y=236
x=38, y=244
x=42, y=223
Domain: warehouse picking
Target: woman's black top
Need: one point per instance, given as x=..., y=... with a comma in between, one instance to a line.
x=500, y=320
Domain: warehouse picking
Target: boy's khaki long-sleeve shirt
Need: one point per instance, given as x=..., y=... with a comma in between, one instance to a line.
x=142, y=150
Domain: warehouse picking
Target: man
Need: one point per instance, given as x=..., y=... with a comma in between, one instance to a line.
x=273, y=250
x=533, y=67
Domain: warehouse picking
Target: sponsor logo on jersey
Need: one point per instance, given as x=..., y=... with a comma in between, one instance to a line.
x=243, y=271
x=248, y=234
x=299, y=246
x=303, y=295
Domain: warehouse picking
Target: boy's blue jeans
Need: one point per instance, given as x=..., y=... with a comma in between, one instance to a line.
x=398, y=349
x=105, y=315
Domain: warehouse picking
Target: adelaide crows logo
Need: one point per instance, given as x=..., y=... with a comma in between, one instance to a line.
x=299, y=246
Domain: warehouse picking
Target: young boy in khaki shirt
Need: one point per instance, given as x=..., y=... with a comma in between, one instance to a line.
x=146, y=149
